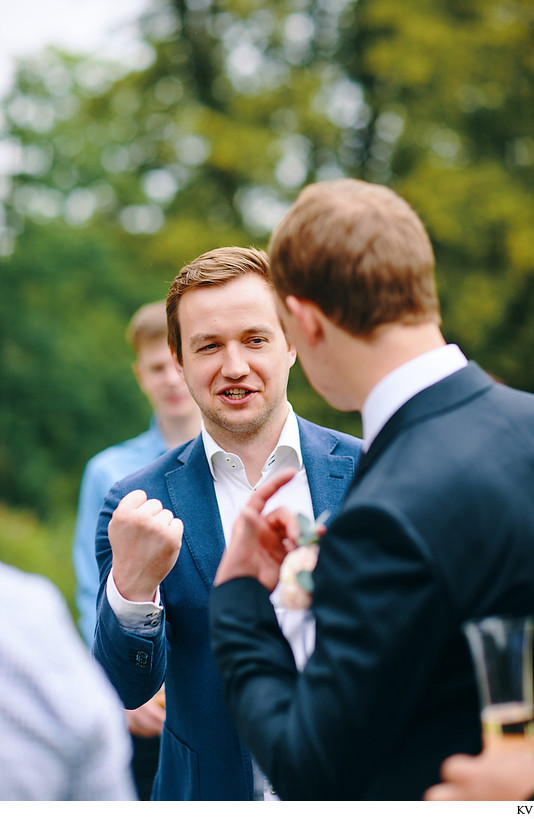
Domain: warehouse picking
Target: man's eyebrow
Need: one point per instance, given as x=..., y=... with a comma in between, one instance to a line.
x=204, y=338
x=201, y=338
x=262, y=330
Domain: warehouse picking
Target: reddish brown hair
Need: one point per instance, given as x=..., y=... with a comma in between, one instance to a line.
x=214, y=268
x=358, y=251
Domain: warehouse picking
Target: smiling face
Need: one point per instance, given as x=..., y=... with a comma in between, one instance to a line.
x=236, y=358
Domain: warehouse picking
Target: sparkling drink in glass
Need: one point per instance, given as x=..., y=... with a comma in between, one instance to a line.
x=501, y=648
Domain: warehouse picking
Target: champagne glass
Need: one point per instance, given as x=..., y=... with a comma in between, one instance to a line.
x=501, y=648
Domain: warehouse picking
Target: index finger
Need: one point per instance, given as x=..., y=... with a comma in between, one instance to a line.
x=458, y=767
x=269, y=488
x=133, y=500
x=442, y=793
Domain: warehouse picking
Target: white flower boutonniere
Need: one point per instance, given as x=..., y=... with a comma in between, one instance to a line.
x=296, y=571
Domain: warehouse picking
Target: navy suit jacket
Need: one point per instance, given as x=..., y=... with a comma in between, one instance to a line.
x=201, y=756
x=437, y=528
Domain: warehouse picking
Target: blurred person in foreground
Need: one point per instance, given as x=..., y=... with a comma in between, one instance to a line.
x=62, y=726
x=175, y=419
x=153, y=618
x=492, y=776
x=437, y=527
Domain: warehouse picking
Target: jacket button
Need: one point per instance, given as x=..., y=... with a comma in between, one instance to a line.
x=141, y=659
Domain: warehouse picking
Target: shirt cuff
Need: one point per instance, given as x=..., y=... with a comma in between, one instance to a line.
x=133, y=616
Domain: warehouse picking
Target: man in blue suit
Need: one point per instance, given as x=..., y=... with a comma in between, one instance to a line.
x=437, y=528
x=153, y=622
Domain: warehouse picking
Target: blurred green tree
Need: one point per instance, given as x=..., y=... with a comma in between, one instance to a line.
x=451, y=87
x=118, y=175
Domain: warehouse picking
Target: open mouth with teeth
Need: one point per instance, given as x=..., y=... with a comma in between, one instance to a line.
x=236, y=394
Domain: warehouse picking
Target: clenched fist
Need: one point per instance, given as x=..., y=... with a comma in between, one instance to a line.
x=145, y=540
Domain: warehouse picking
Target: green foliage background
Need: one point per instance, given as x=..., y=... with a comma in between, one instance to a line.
x=118, y=175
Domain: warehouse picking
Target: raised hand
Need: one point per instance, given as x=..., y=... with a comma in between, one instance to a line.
x=259, y=542
x=145, y=540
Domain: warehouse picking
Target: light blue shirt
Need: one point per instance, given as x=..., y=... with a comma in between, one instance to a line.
x=101, y=472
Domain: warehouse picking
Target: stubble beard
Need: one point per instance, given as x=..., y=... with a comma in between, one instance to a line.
x=242, y=430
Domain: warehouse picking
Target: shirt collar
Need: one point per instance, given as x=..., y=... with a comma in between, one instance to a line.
x=289, y=440
x=396, y=388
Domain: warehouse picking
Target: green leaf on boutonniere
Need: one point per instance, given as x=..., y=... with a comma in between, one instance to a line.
x=305, y=581
x=309, y=529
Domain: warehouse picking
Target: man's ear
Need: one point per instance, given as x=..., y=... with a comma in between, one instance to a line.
x=177, y=364
x=292, y=350
x=308, y=317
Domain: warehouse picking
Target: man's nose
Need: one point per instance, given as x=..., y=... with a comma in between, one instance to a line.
x=235, y=363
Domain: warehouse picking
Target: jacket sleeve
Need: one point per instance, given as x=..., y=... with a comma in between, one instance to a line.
x=324, y=733
x=134, y=663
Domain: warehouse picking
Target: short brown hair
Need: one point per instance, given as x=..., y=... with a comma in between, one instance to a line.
x=149, y=323
x=214, y=268
x=358, y=251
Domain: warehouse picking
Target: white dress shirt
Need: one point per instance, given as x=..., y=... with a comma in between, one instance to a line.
x=403, y=383
x=233, y=491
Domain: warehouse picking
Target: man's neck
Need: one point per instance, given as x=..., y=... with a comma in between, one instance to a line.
x=178, y=430
x=253, y=448
x=390, y=346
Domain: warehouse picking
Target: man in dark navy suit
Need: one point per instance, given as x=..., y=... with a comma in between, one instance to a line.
x=437, y=527
x=153, y=618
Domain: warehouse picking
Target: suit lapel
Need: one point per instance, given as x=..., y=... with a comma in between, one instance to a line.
x=190, y=487
x=457, y=388
x=193, y=497
x=329, y=475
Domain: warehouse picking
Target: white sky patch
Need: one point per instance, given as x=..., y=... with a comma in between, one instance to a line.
x=107, y=28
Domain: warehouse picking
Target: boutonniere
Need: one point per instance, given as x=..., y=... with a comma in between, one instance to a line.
x=296, y=571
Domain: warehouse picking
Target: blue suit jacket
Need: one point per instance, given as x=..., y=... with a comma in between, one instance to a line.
x=201, y=754
x=438, y=528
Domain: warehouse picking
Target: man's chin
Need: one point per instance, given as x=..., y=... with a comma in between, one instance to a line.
x=237, y=421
